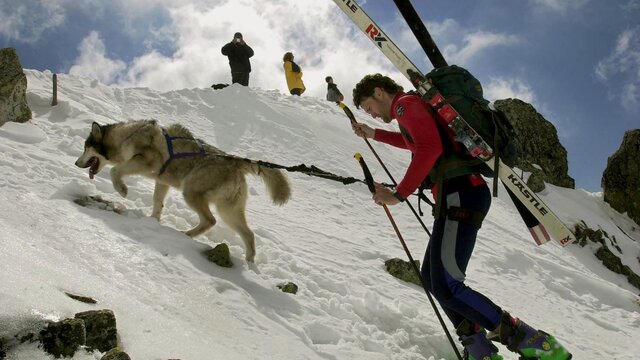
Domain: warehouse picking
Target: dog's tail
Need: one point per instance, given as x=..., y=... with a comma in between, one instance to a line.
x=276, y=182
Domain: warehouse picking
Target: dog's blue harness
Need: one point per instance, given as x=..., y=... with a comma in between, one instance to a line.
x=172, y=155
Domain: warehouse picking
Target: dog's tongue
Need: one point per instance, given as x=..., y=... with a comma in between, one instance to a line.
x=91, y=174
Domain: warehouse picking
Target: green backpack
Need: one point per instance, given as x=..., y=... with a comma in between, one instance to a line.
x=464, y=92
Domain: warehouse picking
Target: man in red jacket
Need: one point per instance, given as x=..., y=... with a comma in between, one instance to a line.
x=463, y=200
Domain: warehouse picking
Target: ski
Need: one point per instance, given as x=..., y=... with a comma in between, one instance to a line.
x=420, y=32
x=543, y=224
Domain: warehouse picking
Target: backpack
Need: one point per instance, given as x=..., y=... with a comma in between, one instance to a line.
x=464, y=92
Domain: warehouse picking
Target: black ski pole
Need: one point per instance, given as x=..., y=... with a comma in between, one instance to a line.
x=369, y=180
x=352, y=117
x=421, y=33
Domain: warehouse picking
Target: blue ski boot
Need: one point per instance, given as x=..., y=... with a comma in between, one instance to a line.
x=531, y=344
x=475, y=342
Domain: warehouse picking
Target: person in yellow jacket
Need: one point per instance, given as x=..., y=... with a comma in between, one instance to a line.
x=293, y=73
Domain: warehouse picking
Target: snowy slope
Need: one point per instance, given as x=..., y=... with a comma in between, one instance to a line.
x=330, y=239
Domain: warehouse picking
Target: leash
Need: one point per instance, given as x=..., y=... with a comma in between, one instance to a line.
x=302, y=168
x=372, y=188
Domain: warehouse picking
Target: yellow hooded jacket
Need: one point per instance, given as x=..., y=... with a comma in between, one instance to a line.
x=294, y=79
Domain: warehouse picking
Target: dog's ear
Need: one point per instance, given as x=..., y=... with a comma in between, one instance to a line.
x=96, y=130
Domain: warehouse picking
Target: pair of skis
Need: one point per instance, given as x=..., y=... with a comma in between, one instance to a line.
x=542, y=223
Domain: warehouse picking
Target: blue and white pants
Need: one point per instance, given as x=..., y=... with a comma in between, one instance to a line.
x=448, y=253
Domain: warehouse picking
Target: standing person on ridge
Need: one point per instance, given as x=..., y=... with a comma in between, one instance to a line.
x=463, y=198
x=293, y=74
x=238, y=53
x=333, y=94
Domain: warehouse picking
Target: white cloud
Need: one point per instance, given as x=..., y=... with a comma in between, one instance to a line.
x=199, y=29
x=476, y=42
x=27, y=20
x=180, y=40
x=620, y=71
x=501, y=88
x=464, y=44
x=631, y=5
x=630, y=97
x=93, y=61
x=558, y=6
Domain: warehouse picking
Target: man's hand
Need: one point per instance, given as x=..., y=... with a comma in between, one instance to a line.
x=384, y=196
x=363, y=130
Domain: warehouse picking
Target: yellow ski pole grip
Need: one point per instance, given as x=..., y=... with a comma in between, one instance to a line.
x=367, y=174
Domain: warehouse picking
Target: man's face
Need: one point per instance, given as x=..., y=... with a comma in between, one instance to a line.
x=238, y=39
x=376, y=106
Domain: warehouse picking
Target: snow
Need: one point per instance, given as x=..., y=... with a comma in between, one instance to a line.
x=331, y=240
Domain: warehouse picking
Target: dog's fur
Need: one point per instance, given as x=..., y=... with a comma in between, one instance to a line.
x=139, y=148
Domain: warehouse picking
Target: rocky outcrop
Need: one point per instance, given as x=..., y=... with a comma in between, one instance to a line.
x=603, y=251
x=13, y=88
x=290, y=288
x=539, y=149
x=220, y=255
x=101, y=332
x=88, y=331
x=63, y=338
x=621, y=177
x=403, y=270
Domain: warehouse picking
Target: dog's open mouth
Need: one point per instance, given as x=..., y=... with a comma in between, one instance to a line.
x=93, y=165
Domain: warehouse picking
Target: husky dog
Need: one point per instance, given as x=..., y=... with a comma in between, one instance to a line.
x=173, y=157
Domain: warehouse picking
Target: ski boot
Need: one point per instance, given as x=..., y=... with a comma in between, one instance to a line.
x=475, y=342
x=531, y=344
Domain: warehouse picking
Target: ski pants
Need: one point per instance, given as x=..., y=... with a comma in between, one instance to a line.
x=448, y=253
x=241, y=78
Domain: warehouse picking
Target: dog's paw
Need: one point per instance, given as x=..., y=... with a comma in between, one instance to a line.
x=121, y=188
x=250, y=257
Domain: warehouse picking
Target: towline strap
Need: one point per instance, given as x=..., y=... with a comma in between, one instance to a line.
x=302, y=168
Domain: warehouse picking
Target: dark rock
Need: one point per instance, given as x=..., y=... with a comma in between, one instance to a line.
x=219, y=86
x=13, y=88
x=611, y=261
x=220, y=255
x=63, y=338
x=84, y=299
x=538, y=146
x=621, y=178
x=536, y=181
x=97, y=202
x=289, y=287
x=403, y=270
x=115, y=354
x=101, y=332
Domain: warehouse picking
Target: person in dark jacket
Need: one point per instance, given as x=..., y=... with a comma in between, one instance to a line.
x=464, y=199
x=333, y=94
x=238, y=53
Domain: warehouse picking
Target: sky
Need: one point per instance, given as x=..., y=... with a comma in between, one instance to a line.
x=576, y=61
x=329, y=239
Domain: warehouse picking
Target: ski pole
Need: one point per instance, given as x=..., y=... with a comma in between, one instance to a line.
x=369, y=180
x=353, y=120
